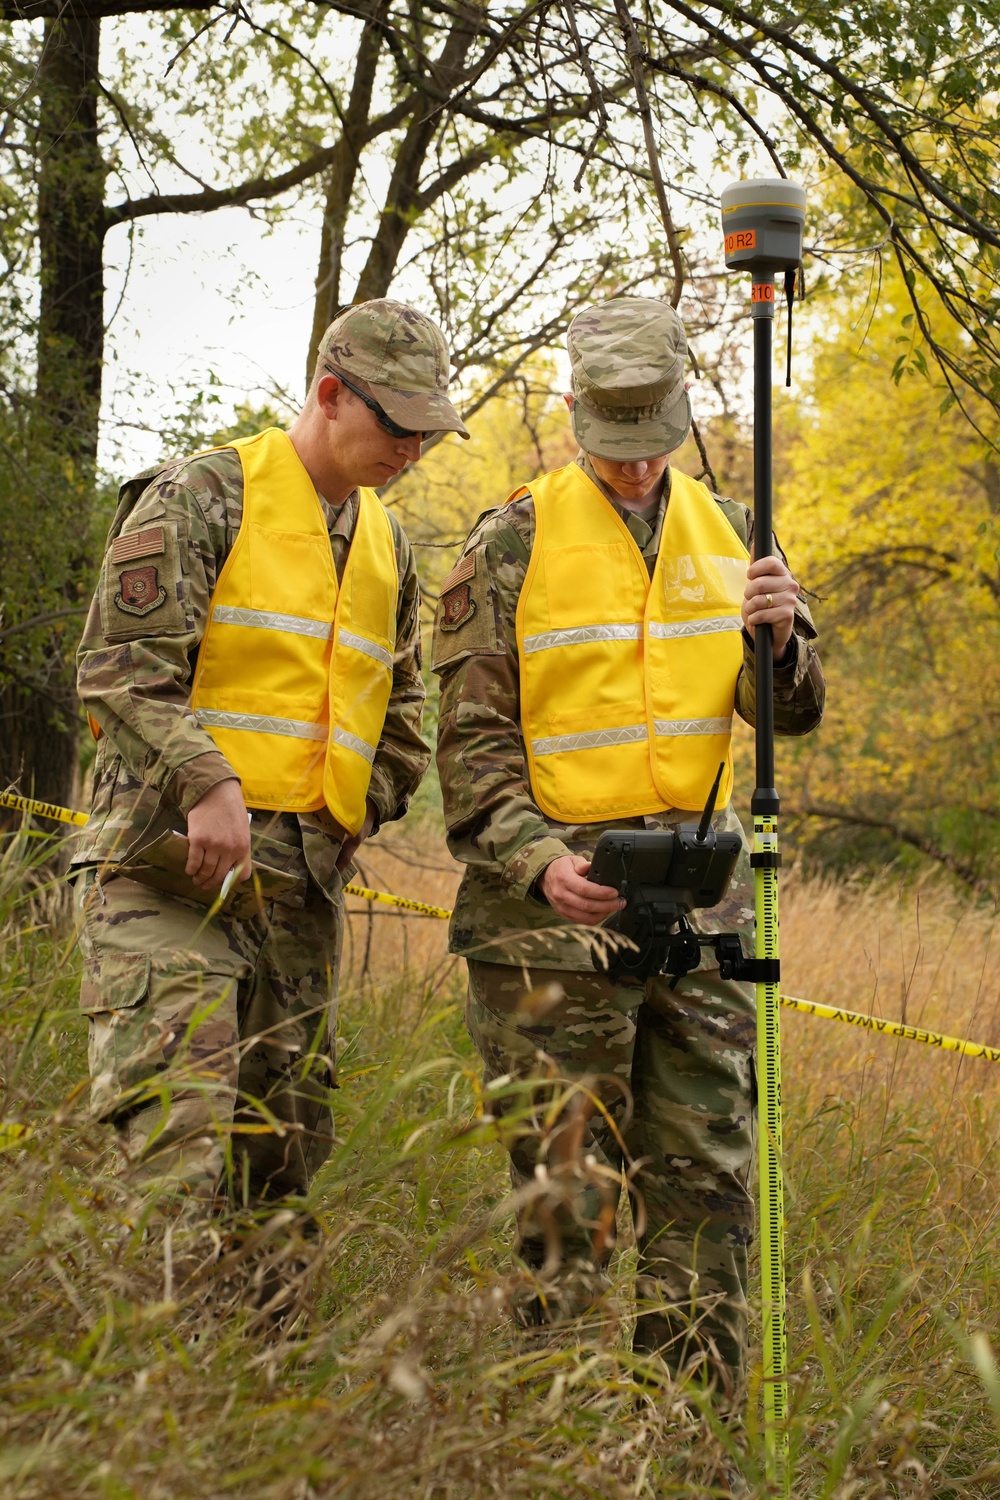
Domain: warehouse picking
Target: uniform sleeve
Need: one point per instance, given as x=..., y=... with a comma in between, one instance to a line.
x=402, y=756
x=491, y=817
x=799, y=684
x=141, y=637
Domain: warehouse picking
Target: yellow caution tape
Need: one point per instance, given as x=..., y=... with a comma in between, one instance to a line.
x=894, y=1028
x=403, y=901
x=809, y=1007
x=42, y=809
x=791, y=1002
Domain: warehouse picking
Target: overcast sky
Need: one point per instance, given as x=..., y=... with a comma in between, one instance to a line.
x=220, y=292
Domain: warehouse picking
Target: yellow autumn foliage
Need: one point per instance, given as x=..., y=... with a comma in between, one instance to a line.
x=889, y=504
x=514, y=437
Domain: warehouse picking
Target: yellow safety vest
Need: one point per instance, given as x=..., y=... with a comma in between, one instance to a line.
x=627, y=683
x=294, y=673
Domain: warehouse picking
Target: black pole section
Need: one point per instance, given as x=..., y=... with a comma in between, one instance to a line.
x=765, y=797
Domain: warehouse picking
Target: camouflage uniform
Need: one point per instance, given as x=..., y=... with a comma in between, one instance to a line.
x=213, y=1039
x=152, y=961
x=673, y=1067
x=200, y=1031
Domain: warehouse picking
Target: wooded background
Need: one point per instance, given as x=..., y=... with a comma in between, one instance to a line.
x=501, y=166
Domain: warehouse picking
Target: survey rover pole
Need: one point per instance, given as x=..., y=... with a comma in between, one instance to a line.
x=762, y=308
x=764, y=806
x=762, y=224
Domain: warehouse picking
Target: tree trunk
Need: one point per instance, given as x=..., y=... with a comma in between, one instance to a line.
x=39, y=716
x=71, y=239
x=402, y=199
x=340, y=183
x=402, y=203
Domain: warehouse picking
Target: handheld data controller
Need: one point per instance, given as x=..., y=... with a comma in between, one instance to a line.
x=663, y=875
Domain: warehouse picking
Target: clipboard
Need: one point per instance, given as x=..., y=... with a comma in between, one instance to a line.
x=160, y=865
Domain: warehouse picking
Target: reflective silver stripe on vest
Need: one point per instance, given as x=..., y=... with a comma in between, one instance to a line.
x=694, y=726
x=369, y=648
x=299, y=729
x=553, y=744
x=354, y=742
x=632, y=734
x=695, y=627
x=263, y=619
x=580, y=636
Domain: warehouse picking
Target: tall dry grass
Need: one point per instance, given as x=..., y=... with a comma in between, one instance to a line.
x=403, y=1375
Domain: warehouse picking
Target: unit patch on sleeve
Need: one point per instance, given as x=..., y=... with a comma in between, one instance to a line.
x=465, y=620
x=142, y=581
x=457, y=603
x=140, y=591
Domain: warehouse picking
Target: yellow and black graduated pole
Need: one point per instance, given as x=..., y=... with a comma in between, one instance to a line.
x=762, y=221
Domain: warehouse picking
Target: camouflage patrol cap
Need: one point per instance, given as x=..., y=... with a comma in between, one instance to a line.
x=400, y=358
x=627, y=357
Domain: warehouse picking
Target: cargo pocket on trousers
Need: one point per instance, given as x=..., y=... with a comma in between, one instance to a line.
x=118, y=981
x=112, y=980
x=115, y=987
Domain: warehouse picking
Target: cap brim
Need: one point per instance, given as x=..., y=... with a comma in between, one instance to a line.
x=419, y=411
x=649, y=437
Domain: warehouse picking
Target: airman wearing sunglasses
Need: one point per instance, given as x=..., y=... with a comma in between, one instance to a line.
x=251, y=669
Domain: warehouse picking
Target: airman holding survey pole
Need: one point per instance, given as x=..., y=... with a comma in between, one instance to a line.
x=593, y=643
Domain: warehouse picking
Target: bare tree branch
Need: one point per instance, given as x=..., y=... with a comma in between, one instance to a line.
x=250, y=191
x=867, y=101
x=38, y=620
x=709, y=85
x=634, y=53
x=957, y=867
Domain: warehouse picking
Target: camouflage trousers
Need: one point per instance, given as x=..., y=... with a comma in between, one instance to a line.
x=657, y=1082
x=211, y=1041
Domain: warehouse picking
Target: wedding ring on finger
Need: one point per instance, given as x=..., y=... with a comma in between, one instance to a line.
x=770, y=601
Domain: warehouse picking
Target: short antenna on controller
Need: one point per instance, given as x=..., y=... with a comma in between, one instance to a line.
x=705, y=822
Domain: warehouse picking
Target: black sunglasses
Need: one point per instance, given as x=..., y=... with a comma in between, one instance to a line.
x=382, y=418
